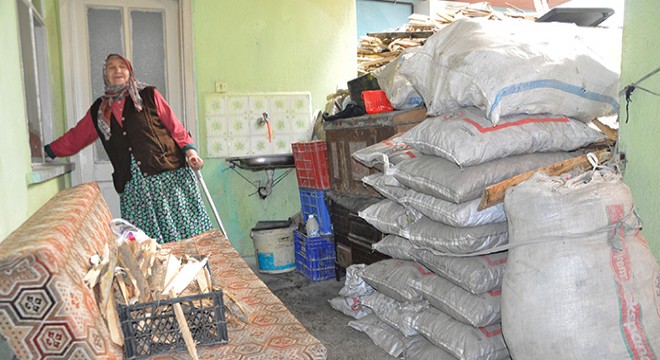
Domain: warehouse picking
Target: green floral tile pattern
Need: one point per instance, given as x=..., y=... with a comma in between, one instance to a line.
x=232, y=129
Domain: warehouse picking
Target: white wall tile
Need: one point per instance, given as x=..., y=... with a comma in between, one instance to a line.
x=232, y=128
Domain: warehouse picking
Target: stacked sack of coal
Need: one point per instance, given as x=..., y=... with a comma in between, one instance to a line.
x=503, y=99
x=581, y=282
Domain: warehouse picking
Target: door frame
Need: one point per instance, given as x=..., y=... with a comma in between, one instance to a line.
x=75, y=108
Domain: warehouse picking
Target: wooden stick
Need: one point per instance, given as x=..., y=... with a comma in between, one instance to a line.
x=173, y=267
x=114, y=326
x=183, y=327
x=128, y=262
x=202, y=281
x=105, y=287
x=494, y=194
x=608, y=131
x=236, y=308
x=120, y=277
x=186, y=275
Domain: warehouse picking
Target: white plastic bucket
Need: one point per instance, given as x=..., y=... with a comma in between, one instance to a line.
x=274, y=250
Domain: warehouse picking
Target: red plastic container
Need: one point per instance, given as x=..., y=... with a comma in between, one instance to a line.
x=311, y=160
x=375, y=101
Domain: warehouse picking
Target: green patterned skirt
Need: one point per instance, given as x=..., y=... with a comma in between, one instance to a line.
x=167, y=206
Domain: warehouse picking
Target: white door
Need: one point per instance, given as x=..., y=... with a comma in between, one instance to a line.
x=148, y=33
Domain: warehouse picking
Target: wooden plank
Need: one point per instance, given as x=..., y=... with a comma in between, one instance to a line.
x=129, y=263
x=611, y=134
x=183, y=327
x=393, y=118
x=114, y=325
x=401, y=34
x=494, y=194
x=106, y=280
x=173, y=267
x=186, y=275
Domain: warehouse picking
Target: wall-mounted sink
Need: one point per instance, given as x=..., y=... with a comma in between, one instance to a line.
x=262, y=162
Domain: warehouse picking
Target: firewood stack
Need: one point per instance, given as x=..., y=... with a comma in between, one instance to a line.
x=378, y=49
x=142, y=272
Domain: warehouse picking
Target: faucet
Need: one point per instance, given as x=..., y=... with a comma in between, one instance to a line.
x=264, y=120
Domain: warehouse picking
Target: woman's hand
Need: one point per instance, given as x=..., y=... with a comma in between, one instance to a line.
x=193, y=159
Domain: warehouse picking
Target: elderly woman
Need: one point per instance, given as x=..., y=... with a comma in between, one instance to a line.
x=151, y=153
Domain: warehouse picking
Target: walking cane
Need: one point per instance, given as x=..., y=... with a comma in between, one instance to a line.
x=201, y=182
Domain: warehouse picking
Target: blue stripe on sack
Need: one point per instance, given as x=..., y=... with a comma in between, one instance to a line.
x=553, y=84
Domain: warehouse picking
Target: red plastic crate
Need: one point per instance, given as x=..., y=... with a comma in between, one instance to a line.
x=311, y=160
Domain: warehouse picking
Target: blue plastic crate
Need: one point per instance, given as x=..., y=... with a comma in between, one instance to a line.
x=315, y=248
x=315, y=257
x=312, y=201
x=320, y=274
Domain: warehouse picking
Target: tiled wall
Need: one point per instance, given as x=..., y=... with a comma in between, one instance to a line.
x=232, y=128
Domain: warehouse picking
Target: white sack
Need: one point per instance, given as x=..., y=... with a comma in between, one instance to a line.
x=435, y=176
x=399, y=91
x=395, y=150
x=447, y=212
x=388, y=217
x=459, y=215
x=349, y=306
x=395, y=247
x=475, y=310
x=461, y=340
x=582, y=282
x=418, y=348
x=354, y=285
x=514, y=67
x=444, y=239
x=377, y=181
x=466, y=137
x=476, y=274
x=383, y=335
x=396, y=314
x=392, y=277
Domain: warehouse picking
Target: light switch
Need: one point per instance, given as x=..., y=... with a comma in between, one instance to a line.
x=220, y=87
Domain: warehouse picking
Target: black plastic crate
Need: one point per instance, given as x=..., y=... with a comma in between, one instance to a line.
x=339, y=217
x=354, y=250
x=363, y=230
x=151, y=328
x=342, y=206
x=360, y=84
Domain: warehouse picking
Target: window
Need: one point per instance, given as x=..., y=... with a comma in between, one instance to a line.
x=36, y=77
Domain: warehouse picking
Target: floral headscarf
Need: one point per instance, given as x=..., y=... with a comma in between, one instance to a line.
x=117, y=92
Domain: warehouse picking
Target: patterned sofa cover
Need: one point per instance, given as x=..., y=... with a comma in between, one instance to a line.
x=46, y=312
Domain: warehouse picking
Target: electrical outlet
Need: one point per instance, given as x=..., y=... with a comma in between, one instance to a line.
x=220, y=86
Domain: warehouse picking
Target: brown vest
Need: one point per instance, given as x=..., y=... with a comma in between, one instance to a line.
x=144, y=136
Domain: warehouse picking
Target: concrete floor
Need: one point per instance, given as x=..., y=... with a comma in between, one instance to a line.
x=308, y=302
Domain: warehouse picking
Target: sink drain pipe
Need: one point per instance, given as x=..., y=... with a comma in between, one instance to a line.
x=266, y=190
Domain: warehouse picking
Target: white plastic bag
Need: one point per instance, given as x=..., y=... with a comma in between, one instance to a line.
x=124, y=231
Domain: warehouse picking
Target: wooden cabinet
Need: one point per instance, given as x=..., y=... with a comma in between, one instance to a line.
x=345, y=136
x=347, y=194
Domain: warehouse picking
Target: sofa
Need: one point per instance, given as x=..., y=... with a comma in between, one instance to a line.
x=46, y=312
